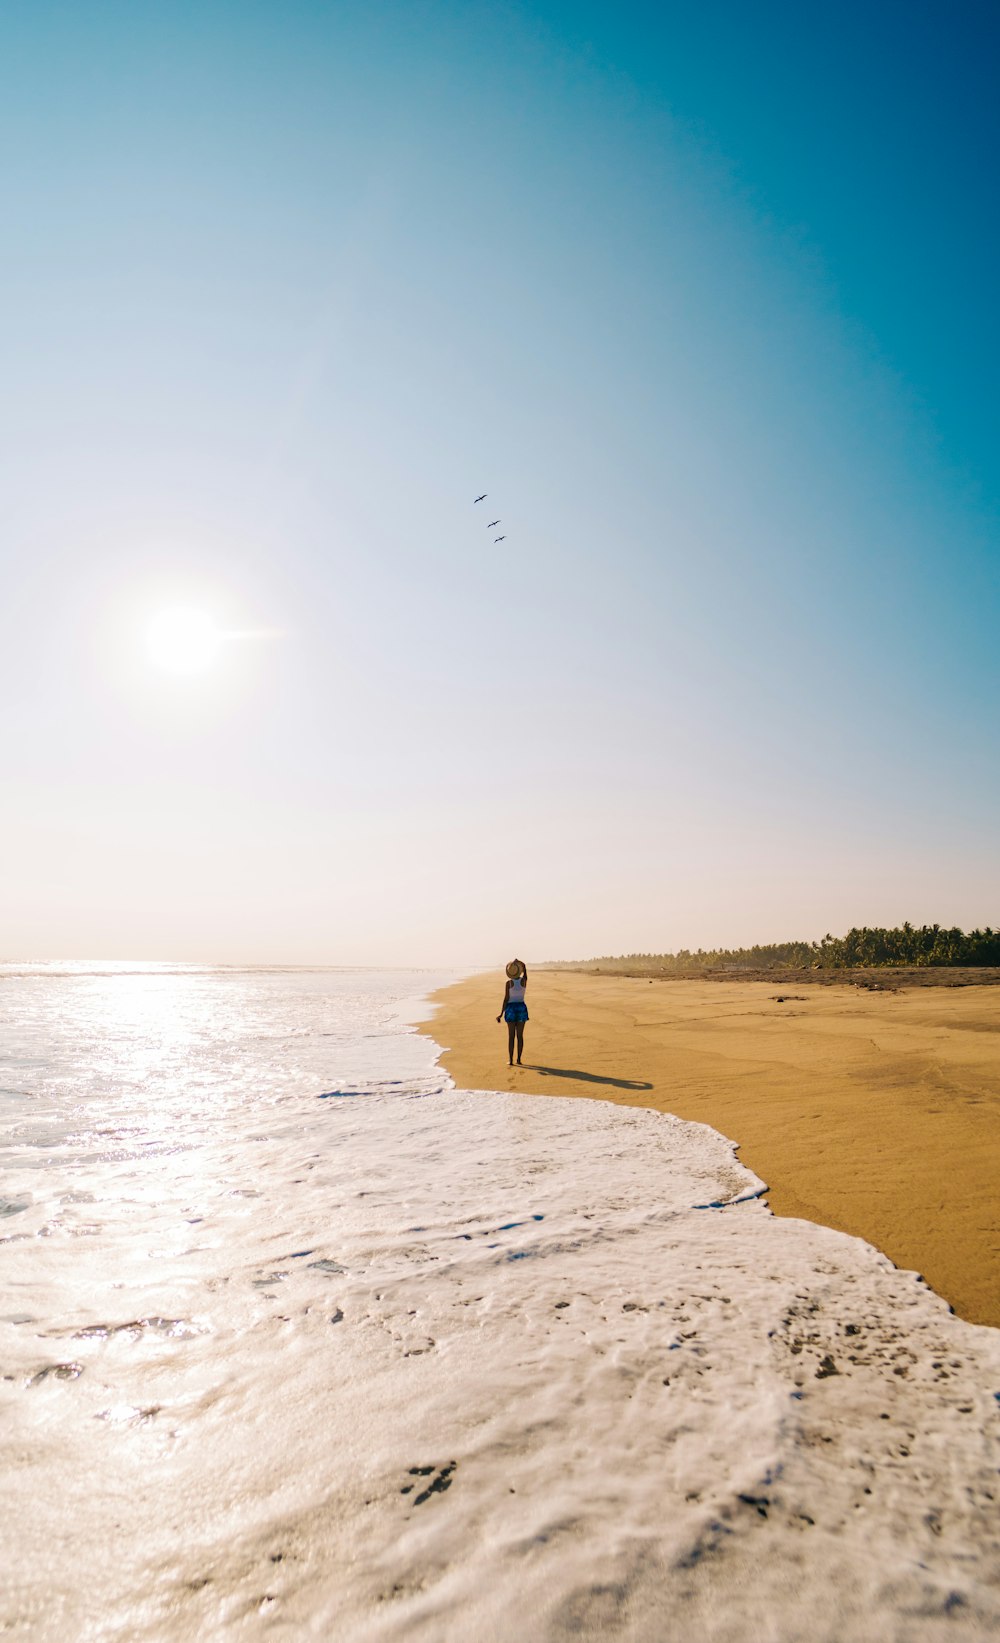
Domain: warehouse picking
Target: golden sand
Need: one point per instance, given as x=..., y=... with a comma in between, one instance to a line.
x=878, y=1113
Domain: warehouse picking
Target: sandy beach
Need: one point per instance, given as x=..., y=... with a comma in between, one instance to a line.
x=871, y=1112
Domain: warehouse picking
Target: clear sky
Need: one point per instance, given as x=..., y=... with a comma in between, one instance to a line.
x=703, y=297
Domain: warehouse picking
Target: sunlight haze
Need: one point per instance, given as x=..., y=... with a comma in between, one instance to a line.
x=704, y=304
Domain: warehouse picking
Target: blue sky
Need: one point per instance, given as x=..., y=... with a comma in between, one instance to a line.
x=702, y=297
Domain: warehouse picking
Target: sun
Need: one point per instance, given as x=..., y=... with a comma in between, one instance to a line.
x=183, y=640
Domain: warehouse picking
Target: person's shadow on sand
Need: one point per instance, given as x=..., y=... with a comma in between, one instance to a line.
x=590, y=1078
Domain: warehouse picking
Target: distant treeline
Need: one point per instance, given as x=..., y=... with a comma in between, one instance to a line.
x=865, y=948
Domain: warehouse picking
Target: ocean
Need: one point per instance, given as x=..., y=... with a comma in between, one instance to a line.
x=297, y=1340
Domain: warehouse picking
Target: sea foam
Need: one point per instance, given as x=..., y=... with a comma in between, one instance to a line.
x=297, y=1340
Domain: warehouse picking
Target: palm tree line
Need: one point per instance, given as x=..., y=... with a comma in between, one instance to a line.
x=864, y=947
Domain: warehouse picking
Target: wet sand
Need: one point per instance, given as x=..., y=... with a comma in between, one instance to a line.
x=875, y=1113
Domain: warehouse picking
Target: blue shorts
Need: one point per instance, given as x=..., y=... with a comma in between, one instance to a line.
x=515, y=1014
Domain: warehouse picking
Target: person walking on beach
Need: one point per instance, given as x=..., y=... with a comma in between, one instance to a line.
x=515, y=1011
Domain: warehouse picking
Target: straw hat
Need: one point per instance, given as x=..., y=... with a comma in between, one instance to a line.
x=514, y=968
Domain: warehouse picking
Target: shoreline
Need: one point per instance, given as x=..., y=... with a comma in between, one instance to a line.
x=873, y=1112
x=373, y=1357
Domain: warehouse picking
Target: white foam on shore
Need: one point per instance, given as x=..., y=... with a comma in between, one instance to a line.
x=473, y=1366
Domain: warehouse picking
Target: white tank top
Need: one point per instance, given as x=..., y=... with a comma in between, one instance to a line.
x=516, y=994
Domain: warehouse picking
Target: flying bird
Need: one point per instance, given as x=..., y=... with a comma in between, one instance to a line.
x=499, y=539
x=492, y=523
x=482, y=498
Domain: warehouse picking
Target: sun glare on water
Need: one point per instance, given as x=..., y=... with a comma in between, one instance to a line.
x=183, y=640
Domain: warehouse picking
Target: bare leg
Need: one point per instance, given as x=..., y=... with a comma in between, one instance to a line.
x=520, y=1041
x=510, y=1041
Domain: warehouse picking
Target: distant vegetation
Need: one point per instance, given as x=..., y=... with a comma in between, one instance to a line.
x=909, y=945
